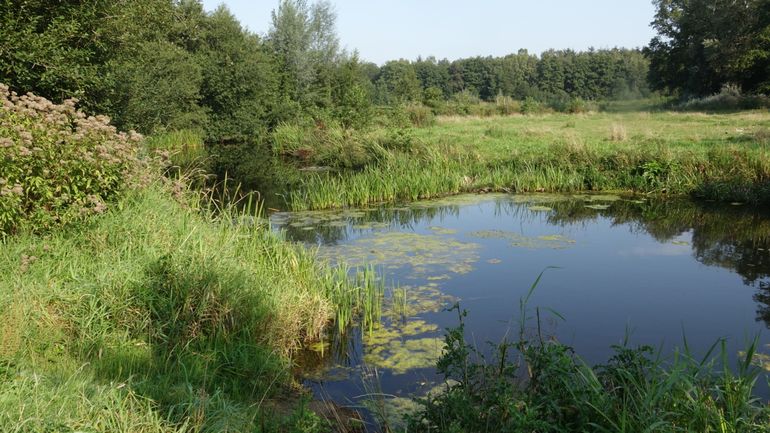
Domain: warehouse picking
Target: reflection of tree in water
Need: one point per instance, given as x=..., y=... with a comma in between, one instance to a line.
x=731, y=237
x=334, y=227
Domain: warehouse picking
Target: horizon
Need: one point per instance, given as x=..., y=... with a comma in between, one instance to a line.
x=381, y=32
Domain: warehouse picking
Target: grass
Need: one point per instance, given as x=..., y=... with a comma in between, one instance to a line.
x=724, y=157
x=159, y=317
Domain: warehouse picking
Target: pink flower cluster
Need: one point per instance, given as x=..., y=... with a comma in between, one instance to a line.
x=58, y=164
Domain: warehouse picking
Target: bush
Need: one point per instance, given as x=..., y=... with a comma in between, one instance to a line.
x=324, y=145
x=580, y=105
x=58, y=165
x=420, y=115
x=728, y=99
x=532, y=106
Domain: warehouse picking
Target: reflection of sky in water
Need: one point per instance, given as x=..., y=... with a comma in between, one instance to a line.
x=649, y=268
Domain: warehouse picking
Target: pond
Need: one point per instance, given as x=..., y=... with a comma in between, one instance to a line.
x=615, y=267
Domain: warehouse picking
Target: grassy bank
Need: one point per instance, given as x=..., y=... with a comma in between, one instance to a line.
x=714, y=156
x=156, y=317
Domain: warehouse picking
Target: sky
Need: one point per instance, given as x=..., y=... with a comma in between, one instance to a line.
x=392, y=29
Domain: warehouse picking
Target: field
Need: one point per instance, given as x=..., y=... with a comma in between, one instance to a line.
x=713, y=156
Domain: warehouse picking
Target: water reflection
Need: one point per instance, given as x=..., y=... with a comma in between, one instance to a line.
x=658, y=264
x=733, y=237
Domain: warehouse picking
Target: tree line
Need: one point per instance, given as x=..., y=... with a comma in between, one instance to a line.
x=169, y=64
x=593, y=75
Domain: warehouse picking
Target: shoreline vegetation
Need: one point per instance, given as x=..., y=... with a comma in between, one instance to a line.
x=162, y=311
x=720, y=157
x=131, y=300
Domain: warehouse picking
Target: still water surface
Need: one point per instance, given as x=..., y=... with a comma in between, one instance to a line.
x=651, y=269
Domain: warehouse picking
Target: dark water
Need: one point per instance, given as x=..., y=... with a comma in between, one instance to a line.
x=653, y=270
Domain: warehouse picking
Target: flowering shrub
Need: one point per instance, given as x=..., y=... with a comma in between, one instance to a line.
x=58, y=165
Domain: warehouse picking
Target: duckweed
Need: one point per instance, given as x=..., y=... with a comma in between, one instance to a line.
x=521, y=241
x=442, y=231
x=400, y=356
x=424, y=253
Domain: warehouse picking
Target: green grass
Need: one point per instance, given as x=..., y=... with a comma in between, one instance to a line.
x=159, y=317
x=184, y=148
x=715, y=156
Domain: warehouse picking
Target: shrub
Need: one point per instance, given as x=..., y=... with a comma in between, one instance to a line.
x=728, y=99
x=580, y=105
x=58, y=165
x=506, y=106
x=420, y=115
x=531, y=106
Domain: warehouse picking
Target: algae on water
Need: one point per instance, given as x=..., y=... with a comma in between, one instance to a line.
x=423, y=253
x=521, y=241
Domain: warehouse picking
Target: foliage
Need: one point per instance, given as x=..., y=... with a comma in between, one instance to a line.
x=306, y=47
x=58, y=165
x=238, y=81
x=397, y=83
x=160, y=85
x=704, y=45
x=62, y=50
x=730, y=98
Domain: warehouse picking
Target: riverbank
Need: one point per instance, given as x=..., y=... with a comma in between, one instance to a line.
x=722, y=157
x=158, y=316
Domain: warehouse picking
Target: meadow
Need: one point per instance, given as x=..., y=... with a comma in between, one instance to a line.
x=720, y=157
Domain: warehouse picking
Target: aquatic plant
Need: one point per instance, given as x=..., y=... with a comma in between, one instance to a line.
x=535, y=383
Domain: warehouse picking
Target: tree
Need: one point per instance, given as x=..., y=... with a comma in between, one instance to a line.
x=160, y=86
x=352, y=100
x=239, y=86
x=63, y=49
x=304, y=40
x=704, y=44
x=397, y=83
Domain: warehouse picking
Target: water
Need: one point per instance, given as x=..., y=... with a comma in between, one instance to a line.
x=615, y=268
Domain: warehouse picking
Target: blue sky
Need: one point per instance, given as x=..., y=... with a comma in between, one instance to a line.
x=391, y=29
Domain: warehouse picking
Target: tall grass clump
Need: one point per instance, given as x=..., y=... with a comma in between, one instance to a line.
x=184, y=148
x=58, y=165
x=324, y=145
